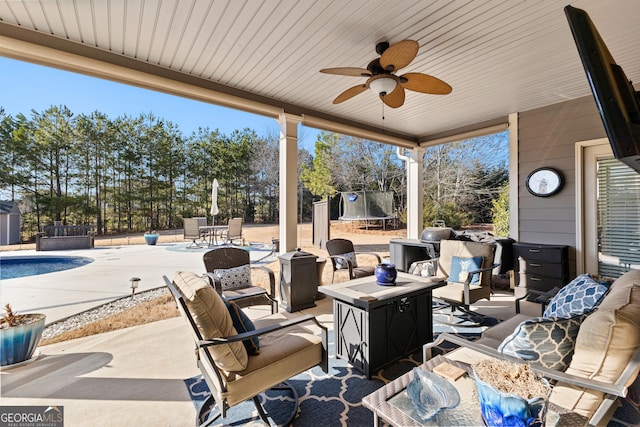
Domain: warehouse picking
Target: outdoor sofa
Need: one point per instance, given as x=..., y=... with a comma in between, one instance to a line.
x=65, y=237
x=595, y=360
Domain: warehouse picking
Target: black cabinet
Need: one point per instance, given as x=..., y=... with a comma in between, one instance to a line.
x=540, y=267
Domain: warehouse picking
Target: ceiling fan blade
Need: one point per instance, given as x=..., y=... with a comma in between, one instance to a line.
x=399, y=55
x=347, y=71
x=424, y=83
x=350, y=93
x=394, y=99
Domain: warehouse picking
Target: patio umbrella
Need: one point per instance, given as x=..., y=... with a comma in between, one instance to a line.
x=214, y=200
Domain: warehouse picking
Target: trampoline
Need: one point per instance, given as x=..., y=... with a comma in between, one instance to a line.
x=368, y=207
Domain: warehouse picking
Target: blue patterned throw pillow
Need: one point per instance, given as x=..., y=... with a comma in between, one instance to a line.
x=242, y=323
x=234, y=278
x=460, y=268
x=547, y=341
x=581, y=295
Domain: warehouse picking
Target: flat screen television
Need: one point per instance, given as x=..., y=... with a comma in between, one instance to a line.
x=617, y=101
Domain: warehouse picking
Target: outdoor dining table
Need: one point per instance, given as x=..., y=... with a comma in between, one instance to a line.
x=213, y=232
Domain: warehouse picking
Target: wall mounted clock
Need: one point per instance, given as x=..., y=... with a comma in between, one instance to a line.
x=544, y=182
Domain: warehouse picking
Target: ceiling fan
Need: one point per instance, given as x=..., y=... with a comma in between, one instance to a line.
x=383, y=82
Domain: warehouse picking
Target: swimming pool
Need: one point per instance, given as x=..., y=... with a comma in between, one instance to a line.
x=12, y=267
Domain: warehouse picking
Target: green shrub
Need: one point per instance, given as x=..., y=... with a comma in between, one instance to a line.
x=500, y=212
x=452, y=215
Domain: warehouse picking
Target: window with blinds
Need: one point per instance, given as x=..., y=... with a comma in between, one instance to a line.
x=618, y=218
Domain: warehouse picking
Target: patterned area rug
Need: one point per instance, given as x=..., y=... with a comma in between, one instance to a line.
x=332, y=399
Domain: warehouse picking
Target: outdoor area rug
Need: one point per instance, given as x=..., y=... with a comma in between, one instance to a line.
x=332, y=399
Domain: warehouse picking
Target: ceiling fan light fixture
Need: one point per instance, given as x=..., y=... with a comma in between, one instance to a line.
x=383, y=85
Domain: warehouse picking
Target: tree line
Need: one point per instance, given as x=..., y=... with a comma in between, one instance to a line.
x=461, y=179
x=131, y=174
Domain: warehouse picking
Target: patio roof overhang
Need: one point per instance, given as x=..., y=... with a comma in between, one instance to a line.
x=500, y=57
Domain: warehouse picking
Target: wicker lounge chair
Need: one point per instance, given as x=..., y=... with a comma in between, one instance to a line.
x=344, y=257
x=230, y=270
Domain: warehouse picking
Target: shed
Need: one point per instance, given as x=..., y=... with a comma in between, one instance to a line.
x=9, y=223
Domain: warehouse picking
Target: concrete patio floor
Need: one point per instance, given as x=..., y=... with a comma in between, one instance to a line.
x=129, y=377
x=132, y=376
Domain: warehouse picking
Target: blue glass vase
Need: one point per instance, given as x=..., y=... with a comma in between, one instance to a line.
x=386, y=274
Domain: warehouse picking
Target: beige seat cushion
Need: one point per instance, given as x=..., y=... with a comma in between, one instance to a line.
x=503, y=329
x=607, y=340
x=455, y=292
x=283, y=354
x=212, y=318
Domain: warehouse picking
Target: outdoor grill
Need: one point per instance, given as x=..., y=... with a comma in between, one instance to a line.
x=433, y=236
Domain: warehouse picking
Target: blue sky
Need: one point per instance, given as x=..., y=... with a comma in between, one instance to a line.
x=25, y=87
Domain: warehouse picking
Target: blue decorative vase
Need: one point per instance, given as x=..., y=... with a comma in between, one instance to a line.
x=151, y=238
x=504, y=409
x=386, y=274
x=17, y=343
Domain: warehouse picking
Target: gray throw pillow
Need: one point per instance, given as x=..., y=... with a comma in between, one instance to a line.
x=547, y=341
x=234, y=278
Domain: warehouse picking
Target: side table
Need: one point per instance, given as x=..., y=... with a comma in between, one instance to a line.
x=392, y=405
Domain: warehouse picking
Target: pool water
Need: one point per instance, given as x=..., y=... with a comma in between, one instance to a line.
x=22, y=266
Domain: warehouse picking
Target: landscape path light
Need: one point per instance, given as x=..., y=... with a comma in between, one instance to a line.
x=134, y=284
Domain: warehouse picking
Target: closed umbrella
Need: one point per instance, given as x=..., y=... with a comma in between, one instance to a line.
x=214, y=200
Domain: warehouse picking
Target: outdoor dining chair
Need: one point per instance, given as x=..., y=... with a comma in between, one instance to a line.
x=192, y=231
x=233, y=232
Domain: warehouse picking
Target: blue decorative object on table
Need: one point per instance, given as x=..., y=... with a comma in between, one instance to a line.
x=505, y=409
x=431, y=393
x=386, y=274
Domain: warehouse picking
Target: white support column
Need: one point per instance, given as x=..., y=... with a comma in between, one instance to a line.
x=415, y=190
x=514, y=200
x=288, y=181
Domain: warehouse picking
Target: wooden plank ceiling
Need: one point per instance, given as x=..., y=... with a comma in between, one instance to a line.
x=499, y=56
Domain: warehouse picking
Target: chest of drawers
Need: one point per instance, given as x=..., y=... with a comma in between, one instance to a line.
x=540, y=267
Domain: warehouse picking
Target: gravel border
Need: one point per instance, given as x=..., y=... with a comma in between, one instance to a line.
x=101, y=312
